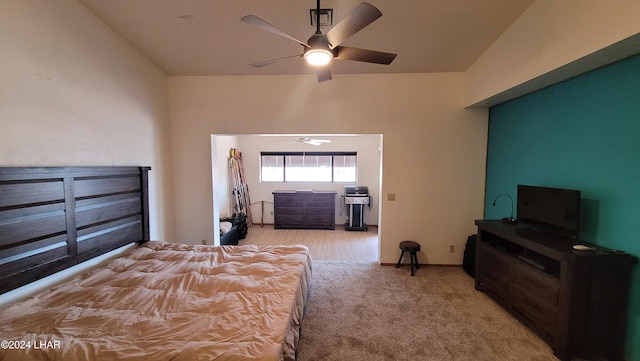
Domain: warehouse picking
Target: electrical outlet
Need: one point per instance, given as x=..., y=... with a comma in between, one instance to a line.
x=204, y=242
x=391, y=196
x=340, y=214
x=452, y=249
x=272, y=213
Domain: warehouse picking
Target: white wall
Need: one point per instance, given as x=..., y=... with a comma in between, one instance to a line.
x=73, y=93
x=434, y=149
x=552, y=35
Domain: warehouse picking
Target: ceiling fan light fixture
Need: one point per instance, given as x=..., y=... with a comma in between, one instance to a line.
x=318, y=57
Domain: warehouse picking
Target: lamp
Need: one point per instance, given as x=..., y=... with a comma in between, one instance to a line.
x=318, y=57
x=506, y=219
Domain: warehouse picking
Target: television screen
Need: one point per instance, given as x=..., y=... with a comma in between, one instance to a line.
x=551, y=210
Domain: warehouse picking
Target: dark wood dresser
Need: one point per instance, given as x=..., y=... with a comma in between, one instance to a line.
x=575, y=300
x=304, y=209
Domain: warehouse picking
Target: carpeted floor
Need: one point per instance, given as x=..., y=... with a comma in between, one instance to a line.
x=368, y=312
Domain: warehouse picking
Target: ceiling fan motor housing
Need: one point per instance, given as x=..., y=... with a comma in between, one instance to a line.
x=318, y=41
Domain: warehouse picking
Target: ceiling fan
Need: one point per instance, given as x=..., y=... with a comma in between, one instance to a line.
x=321, y=48
x=303, y=140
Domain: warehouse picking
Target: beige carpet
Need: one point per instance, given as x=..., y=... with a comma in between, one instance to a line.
x=368, y=312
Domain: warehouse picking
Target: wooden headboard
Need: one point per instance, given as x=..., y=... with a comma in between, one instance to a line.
x=54, y=218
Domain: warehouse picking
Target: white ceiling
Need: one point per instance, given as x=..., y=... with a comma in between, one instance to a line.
x=206, y=37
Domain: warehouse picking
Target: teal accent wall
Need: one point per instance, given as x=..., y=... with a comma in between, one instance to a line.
x=581, y=134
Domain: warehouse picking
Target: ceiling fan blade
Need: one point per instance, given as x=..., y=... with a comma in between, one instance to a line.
x=324, y=73
x=316, y=142
x=304, y=140
x=267, y=62
x=368, y=56
x=256, y=21
x=359, y=18
x=311, y=141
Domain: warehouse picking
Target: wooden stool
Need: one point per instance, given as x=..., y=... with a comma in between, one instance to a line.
x=412, y=248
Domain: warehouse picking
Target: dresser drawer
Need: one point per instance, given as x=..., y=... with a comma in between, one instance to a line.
x=535, y=282
x=492, y=259
x=493, y=270
x=290, y=210
x=493, y=281
x=321, y=220
x=317, y=200
x=289, y=219
x=288, y=200
x=540, y=313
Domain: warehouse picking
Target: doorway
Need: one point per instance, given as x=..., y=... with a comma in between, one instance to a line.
x=367, y=146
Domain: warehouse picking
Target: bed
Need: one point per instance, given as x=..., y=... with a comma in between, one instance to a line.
x=157, y=301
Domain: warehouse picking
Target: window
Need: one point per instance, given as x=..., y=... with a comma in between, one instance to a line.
x=308, y=167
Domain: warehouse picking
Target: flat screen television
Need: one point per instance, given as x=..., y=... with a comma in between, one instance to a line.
x=553, y=211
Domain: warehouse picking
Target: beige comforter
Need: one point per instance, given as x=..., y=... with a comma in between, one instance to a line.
x=166, y=301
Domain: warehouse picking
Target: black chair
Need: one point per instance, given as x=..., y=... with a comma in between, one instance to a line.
x=413, y=248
